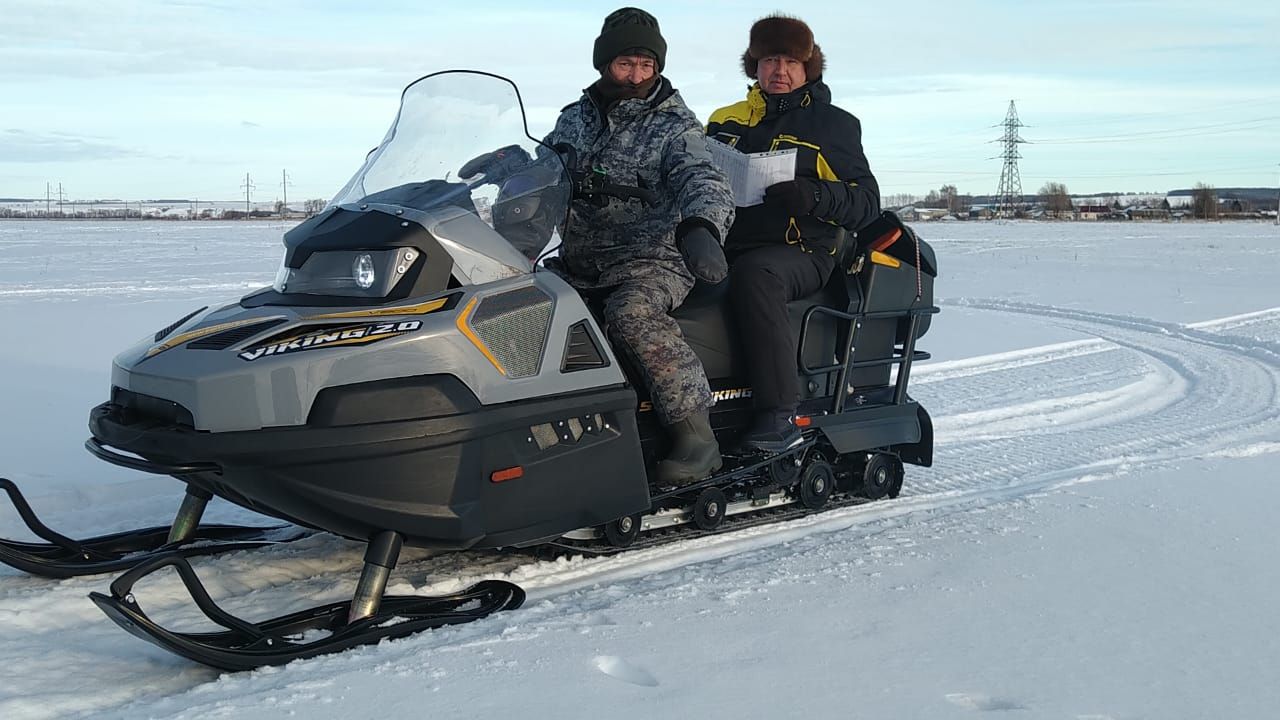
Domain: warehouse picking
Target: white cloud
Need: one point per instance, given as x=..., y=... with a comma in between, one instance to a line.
x=314, y=84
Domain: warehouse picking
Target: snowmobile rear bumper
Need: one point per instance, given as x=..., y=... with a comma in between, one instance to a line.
x=464, y=476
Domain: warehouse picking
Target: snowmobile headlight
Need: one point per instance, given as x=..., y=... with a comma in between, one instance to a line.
x=348, y=273
x=362, y=271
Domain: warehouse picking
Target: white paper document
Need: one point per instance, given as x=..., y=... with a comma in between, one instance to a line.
x=750, y=174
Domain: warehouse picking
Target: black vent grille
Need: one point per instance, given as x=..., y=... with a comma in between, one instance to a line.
x=227, y=338
x=581, y=351
x=160, y=335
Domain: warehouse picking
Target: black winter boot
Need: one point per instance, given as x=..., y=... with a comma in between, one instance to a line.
x=694, y=454
x=773, y=431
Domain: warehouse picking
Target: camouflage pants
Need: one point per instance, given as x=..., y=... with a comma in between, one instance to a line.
x=637, y=311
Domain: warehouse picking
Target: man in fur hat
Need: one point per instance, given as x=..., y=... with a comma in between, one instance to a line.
x=632, y=126
x=783, y=249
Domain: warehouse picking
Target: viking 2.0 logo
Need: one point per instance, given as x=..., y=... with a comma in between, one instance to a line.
x=359, y=335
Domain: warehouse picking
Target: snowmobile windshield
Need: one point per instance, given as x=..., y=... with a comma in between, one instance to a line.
x=460, y=145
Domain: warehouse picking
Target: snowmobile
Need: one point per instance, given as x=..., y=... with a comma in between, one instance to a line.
x=415, y=376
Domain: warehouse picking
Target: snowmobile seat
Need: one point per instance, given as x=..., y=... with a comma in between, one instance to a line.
x=707, y=322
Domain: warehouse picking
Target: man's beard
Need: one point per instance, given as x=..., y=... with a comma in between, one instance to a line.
x=613, y=91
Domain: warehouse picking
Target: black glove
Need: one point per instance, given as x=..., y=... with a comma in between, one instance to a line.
x=702, y=252
x=798, y=197
x=496, y=165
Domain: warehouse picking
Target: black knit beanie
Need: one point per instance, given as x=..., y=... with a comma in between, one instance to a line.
x=629, y=28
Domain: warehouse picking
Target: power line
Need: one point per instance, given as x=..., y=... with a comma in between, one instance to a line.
x=1010, y=189
x=1135, y=173
x=248, y=188
x=1162, y=134
x=284, y=185
x=1131, y=117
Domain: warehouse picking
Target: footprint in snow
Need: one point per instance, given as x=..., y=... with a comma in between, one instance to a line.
x=616, y=667
x=977, y=701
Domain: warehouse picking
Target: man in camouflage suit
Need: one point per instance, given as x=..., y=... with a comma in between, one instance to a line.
x=632, y=127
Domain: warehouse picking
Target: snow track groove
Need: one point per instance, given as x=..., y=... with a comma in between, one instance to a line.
x=1171, y=392
x=1139, y=392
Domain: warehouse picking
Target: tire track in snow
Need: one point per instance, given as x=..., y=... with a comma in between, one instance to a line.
x=1141, y=392
x=1197, y=392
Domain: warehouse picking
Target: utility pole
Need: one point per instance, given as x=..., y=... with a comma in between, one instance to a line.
x=1009, y=194
x=48, y=190
x=284, y=186
x=60, y=199
x=248, y=188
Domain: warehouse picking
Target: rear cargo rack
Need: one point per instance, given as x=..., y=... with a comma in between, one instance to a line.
x=902, y=357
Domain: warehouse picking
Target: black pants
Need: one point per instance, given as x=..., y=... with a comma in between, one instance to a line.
x=761, y=283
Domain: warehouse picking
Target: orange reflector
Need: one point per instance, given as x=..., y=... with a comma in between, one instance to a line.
x=511, y=473
x=886, y=240
x=880, y=258
x=803, y=421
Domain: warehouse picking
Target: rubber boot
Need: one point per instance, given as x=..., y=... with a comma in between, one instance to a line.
x=694, y=454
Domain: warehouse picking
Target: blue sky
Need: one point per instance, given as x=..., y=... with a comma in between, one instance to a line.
x=141, y=100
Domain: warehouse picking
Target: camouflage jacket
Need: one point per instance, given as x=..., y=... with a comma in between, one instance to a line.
x=656, y=143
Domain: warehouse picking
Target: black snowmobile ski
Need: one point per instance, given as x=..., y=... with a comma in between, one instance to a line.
x=63, y=557
x=246, y=645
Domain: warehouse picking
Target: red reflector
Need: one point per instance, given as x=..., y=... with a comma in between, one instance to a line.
x=508, y=474
x=886, y=240
x=803, y=421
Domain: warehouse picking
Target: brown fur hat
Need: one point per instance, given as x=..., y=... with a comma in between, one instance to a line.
x=783, y=35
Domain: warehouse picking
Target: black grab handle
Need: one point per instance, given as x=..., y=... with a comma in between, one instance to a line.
x=44, y=532
x=122, y=591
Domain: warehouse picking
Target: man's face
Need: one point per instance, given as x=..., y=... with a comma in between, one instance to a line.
x=780, y=74
x=632, y=69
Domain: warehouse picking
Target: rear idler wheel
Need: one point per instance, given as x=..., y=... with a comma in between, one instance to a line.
x=899, y=473
x=622, y=532
x=708, y=510
x=882, y=476
x=816, y=483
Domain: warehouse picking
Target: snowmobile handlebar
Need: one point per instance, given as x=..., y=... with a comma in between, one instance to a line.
x=594, y=183
x=496, y=165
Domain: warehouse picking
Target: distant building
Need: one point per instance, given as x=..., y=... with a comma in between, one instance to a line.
x=1148, y=214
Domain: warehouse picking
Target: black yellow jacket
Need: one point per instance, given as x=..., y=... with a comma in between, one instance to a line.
x=828, y=141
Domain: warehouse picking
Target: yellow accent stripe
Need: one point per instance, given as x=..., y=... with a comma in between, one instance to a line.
x=880, y=258
x=793, y=140
x=823, y=168
x=465, y=329
x=203, y=332
x=419, y=309
x=739, y=112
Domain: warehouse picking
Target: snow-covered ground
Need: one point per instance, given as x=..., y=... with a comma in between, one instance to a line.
x=1096, y=538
